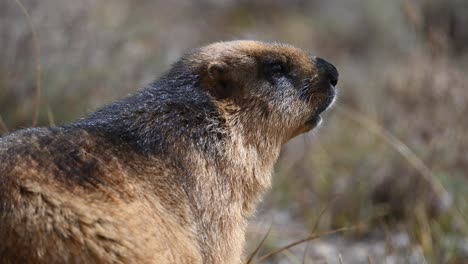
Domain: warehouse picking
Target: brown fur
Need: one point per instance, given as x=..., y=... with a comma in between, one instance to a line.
x=78, y=193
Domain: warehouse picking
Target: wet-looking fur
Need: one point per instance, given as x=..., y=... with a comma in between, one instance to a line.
x=169, y=174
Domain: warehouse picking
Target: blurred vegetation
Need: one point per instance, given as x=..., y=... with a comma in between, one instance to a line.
x=392, y=154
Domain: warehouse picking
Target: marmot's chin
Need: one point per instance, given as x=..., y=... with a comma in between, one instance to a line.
x=315, y=121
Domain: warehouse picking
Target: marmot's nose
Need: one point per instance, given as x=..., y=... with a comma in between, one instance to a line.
x=326, y=69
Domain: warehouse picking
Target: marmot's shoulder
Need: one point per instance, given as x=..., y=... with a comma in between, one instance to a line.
x=173, y=111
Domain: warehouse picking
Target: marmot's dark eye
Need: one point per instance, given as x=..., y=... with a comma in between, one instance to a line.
x=277, y=67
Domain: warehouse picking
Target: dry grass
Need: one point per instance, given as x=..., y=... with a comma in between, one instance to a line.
x=304, y=240
x=37, y=55
x=392, y=156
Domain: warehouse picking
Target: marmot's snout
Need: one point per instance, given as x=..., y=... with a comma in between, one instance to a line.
x=326, y=71
x=325, y=80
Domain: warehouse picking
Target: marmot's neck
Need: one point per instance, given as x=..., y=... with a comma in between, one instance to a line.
x=174, y=118
x=221, y=162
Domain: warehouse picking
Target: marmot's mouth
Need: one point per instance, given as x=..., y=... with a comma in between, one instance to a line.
x=316, y=119
x=325, y=104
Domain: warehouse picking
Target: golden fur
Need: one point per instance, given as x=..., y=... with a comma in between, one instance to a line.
x=94, y=192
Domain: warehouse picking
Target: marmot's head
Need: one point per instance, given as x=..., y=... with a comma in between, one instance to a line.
x=273, y=88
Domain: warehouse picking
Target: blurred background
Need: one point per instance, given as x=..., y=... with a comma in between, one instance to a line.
x=386, y=173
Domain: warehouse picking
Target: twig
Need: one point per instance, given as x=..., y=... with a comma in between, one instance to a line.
x=327, y=206
x=254, y=253
x=37, y=51
x=50, y=116
x=3, y=126
x=306, y=250
x=340, y=258
x=309, y=238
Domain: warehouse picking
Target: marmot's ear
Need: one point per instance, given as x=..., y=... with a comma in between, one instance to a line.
x=217, y=70
x=219, y=75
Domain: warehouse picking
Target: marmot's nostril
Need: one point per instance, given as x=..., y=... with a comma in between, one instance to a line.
x=333, y=82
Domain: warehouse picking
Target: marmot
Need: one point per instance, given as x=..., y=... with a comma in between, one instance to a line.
x=169, y=174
